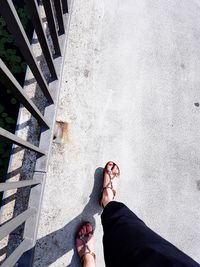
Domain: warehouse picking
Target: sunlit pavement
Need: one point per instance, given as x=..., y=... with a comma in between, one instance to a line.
x=131, y=94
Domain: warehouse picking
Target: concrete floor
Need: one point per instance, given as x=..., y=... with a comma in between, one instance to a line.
x=131, y=94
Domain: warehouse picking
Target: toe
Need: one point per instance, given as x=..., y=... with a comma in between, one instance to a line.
x=84, y=229
x=89, y=227
x=109, y=166
x=79, y=233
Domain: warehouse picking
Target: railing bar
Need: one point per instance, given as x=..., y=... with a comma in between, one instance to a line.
x=14, y=25
x=14, y=185
x=11, y=225
x=12, y=84
x=18, y=141
x=59, y=16
x=17, y=253
x=65, y=6
x=52, y=25
x=32, y=7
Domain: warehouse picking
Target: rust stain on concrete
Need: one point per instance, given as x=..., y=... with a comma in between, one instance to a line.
x=61, y=132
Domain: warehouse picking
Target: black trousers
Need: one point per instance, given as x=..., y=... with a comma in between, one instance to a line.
x=128, y=242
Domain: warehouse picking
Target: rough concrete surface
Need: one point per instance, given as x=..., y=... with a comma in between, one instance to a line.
x=131, y=94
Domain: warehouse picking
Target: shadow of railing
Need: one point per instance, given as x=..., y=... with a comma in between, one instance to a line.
x=60, y=242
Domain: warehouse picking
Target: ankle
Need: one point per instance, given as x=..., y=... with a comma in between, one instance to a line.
x=107, y=196
x=106, y=200
x=88, y=260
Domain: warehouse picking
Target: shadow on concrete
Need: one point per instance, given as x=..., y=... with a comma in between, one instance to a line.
x=55, y=245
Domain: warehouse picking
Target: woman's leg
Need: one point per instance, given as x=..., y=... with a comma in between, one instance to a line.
x=129, y=242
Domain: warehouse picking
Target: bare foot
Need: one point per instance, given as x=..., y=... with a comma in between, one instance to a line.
x=85, y=245
x=111, y=178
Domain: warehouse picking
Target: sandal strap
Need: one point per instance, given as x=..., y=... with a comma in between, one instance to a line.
x=110, y=173
x=82, y=238
x=110, y=187
x=89, y=252
x=110, y=183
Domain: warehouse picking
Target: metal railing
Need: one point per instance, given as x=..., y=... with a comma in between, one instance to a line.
x=57, y=18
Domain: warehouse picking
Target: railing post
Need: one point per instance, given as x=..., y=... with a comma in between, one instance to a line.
x=65, y=6
x=36, y=20
x=12, y=84
x=59, y=13
x=13, y=22
x=52, y=26
x=23, y=253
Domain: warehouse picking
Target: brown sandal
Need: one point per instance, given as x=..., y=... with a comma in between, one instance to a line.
x=85, y=245
x=110, y=183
